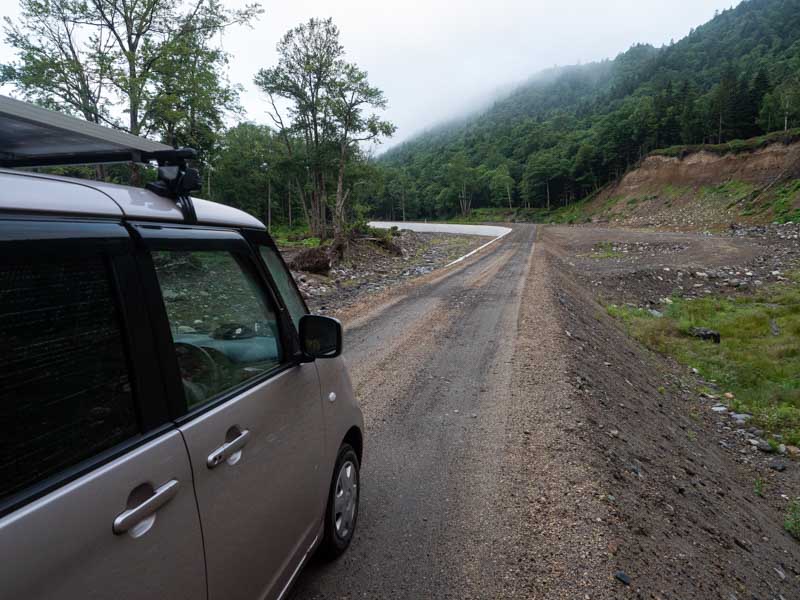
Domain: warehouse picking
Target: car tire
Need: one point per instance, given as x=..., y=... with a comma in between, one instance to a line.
x=341, y=514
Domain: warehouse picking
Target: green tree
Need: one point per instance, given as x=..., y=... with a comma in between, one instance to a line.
x=191, y=97
x=100, y=58
x=461, y=179
x=244, y=169
x=502, y=186
x=349, y=95
x=326, y=121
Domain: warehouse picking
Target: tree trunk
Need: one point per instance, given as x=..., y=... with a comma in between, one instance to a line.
x=304, y=206
x=290, y=208
x=339, y=225
x=323, y=197
x=508, y=193
x=548, y=194
x=403, y=204
x=269, y=205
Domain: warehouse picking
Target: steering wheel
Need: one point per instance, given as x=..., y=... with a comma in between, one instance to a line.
x=199, y=371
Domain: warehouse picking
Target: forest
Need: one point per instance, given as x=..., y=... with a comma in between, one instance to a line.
x=569, y=131
x=156, y=68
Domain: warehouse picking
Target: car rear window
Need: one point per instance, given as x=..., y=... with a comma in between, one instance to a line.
x=65, y=387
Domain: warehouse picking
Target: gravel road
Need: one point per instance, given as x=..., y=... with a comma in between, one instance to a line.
x=433, y=372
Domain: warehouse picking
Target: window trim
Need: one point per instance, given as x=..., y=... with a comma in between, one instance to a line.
x=110, y=240
x=258, y=238
x=203, y=238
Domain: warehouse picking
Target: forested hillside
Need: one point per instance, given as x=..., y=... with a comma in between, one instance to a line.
x=571, y=130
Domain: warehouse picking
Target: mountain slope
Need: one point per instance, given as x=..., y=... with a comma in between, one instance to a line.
x=569, y=131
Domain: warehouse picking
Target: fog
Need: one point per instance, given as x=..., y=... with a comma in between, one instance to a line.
x=437, y=60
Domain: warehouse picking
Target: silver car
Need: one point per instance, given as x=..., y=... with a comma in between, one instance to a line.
x=175, y=424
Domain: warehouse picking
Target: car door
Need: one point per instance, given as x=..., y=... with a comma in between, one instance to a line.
x=95, y=482
x=250, y=413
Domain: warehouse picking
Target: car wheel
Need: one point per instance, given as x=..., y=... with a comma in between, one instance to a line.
x=342, y=512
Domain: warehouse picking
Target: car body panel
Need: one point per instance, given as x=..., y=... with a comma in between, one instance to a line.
x=342, y=413
x=261, y=513
x=29, y=192
x=62, y=544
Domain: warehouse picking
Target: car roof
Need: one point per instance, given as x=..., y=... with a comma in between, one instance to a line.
x=22, y=191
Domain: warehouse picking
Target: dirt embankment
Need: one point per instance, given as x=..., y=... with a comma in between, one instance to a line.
x=673, y=501
x=705, y=190
x=760, y=167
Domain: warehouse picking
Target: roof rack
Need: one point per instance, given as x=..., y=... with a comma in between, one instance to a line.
x=31, y=136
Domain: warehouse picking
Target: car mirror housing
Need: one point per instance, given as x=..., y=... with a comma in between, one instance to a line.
x=320, y=337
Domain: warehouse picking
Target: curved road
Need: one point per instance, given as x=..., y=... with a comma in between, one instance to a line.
x=432, y=373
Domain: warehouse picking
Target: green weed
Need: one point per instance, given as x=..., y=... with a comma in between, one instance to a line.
x=791, y=522
x=760, y=368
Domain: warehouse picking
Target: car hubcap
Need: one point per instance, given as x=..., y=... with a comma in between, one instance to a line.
x=345, y=500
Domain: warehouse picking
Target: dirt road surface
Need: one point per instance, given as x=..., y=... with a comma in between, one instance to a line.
x=433, y=375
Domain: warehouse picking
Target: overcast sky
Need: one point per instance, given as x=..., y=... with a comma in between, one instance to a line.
x=437, y=59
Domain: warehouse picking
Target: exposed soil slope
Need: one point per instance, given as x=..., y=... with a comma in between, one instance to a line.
x=705, y=190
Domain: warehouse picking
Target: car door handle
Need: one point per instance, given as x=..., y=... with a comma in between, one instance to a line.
x=136, y=515
x=228, y=449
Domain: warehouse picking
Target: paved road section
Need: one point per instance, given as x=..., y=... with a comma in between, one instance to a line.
x=432, y=373
x=488, y=230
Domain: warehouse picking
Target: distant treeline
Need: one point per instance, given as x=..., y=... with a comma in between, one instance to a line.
x=571, y=130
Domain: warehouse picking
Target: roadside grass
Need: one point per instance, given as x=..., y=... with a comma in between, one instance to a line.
x=791, y=522
x=295, y=237
x=480, y=215
x=758, y=359
x=572, y=213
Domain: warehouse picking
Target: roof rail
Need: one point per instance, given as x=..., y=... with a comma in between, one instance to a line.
x=89, y=157
x=31, y=136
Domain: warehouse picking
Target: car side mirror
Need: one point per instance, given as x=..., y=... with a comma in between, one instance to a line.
x=320, y=337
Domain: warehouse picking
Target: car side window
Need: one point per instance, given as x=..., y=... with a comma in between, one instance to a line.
x=65, y=385
x=286, y=287
x=224, y=329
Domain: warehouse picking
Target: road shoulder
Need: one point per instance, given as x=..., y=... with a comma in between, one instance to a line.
x=554, y=542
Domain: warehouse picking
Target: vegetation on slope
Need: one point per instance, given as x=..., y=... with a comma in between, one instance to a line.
x=757, y=359
x=571, y=130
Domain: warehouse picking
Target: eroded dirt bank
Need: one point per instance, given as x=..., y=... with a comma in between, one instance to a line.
x=704, y=190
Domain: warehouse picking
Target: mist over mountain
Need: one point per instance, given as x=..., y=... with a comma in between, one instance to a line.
x=567, y=131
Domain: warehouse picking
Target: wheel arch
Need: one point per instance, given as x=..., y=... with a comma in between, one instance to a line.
x=355, y=438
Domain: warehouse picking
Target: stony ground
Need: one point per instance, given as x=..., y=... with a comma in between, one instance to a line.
x=643, y=267
x=681, y=473
x=370, y=268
